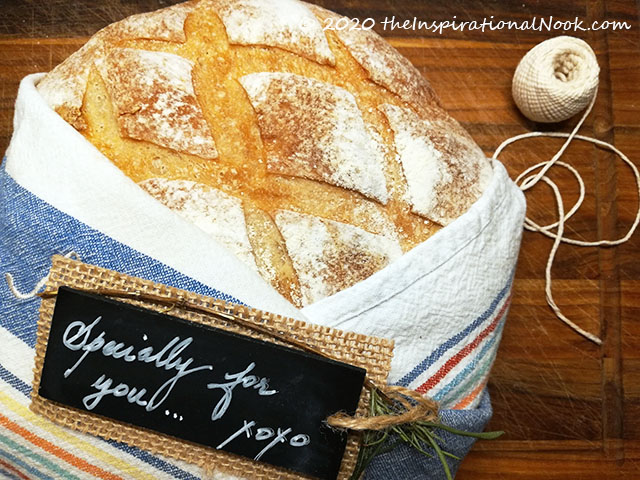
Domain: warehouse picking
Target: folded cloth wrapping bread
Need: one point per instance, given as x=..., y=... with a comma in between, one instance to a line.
x=443, y=302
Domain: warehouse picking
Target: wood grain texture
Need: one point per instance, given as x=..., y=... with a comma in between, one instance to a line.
x=570, y=409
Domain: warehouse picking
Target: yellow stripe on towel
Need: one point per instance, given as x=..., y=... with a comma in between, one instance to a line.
x=61, y=433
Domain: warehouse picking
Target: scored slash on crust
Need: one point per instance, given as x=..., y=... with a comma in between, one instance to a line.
x=330, y=256
x=155, y=101
x=315, y=130
x=444, y=168
x=218, y=214
x=384, y=65
x=285, y=24
x=63, y=88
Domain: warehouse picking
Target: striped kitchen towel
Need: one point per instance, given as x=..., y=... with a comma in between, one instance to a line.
x=443, y=303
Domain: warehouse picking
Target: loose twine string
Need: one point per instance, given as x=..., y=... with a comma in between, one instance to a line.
x=554, y=81
x=39, y=286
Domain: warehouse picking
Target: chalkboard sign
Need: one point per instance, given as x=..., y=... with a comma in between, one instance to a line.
x=205, y=385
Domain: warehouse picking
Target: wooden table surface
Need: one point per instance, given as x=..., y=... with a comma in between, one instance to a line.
x=570, y=409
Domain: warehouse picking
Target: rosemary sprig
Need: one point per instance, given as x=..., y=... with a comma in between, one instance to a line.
x=416, y=434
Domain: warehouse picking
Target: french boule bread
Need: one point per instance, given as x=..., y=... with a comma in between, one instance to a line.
x=317, y=156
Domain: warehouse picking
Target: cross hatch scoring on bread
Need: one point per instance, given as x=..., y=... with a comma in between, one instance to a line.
x=316, y=157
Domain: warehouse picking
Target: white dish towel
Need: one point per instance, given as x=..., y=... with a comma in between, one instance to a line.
x=443, y=303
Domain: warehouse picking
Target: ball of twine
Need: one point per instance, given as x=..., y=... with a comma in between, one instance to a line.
x=556, y=79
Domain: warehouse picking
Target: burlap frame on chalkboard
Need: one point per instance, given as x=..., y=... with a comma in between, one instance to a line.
x=370, y=353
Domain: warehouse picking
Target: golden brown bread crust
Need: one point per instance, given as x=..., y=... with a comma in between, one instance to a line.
x=329, y=143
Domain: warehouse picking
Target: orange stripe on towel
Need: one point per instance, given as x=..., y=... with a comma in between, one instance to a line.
x=57, y=451
x=469, y=398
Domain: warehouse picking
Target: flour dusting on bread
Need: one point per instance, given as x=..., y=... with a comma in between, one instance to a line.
x=330, y=256
x=63, y=88
x=285, y=24
x=445, y=170
x=155, y=101
x=216, y=213
x=384, y=65
x=315, y=130
x=166, y=24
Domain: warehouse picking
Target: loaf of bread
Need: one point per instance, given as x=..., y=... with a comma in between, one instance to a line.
x=316, y=155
